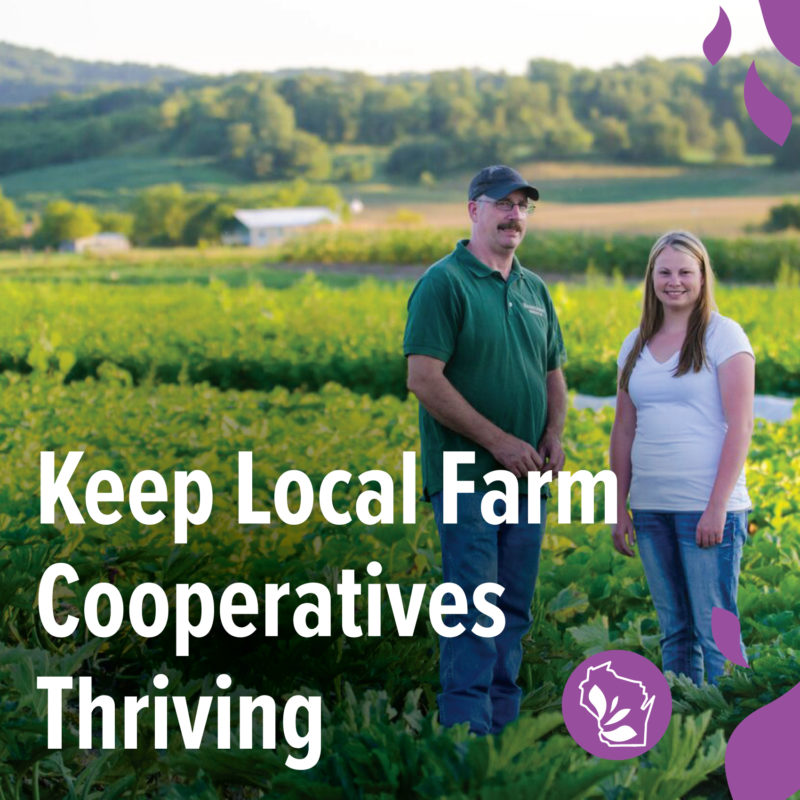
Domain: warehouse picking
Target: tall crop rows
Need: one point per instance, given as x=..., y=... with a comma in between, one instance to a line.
x=184, y=377
x=310, y=334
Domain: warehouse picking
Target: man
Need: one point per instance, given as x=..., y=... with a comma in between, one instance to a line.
x=484, y=354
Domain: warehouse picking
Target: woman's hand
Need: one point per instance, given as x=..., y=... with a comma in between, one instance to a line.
x=710, y=527
x=623, y=534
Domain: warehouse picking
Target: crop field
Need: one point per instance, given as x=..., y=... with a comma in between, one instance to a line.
x=183, y=375
x=309, y=334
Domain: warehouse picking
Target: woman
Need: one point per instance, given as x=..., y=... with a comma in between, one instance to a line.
x=681, y=432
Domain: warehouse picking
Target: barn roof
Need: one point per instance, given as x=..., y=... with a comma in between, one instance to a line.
x=284, y=217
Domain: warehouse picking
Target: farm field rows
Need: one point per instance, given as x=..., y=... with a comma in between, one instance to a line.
x=309, y=334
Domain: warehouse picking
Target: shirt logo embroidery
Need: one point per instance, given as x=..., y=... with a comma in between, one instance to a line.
x=537, y=310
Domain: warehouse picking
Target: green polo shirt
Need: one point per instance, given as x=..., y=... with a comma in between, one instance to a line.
x=498, y=339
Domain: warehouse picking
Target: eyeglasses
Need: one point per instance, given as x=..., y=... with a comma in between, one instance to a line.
x=504, y=206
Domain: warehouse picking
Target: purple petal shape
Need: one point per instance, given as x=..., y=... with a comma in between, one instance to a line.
x=761, y=757
x=728, y=635
x=770, y=114
x=716, y=43
x=782, y=18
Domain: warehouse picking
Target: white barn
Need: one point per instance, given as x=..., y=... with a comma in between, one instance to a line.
x=98, y=244
x=256, y=227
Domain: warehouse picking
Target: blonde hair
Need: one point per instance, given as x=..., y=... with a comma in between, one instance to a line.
x=693, y=351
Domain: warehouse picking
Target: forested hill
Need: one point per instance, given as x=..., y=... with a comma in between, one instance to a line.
x=319, y=125
x=28, y=75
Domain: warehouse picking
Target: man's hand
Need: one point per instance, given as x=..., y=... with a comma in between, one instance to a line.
x=710, y=527
x=516, y=455
x=623, y=534
x=551, y=452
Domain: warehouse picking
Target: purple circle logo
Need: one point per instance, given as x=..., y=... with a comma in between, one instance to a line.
x=616, y=704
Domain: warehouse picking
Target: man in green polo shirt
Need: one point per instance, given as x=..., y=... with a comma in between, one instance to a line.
x=484, y=355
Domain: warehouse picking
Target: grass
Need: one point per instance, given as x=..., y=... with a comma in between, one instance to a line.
x=112, y=181
x=235, y=267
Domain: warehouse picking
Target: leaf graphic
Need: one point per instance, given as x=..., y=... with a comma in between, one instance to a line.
x=623, y=734
x=771, y=115
x=727, y=633
x=598, y=700
x=716, y=43
x=613, y=704
x=618, y=717
x=780, y=17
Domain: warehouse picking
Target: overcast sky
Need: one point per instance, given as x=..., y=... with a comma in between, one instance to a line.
x=410, y=35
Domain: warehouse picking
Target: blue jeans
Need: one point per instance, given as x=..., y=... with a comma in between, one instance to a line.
x=479, y=675
x=686, y=582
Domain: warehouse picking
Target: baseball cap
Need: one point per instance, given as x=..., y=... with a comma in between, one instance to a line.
x=498, y=181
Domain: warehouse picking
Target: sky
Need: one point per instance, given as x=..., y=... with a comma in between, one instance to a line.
x=211, y=36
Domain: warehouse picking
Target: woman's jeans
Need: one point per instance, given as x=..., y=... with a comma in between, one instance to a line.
x=479, y=675
x=686, y=582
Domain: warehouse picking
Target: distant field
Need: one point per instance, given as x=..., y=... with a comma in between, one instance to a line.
x=721, y=201
x=112, y=180
x=575, y=195
x=589, y=182
x=706, y=216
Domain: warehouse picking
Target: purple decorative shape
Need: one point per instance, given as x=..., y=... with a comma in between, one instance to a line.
x=770, y=114
x=716, y=43
x=616, y=704
x=761, y=758
x=728, y=635
x=782, y=18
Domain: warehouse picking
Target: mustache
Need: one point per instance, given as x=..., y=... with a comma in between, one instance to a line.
x=515, y=226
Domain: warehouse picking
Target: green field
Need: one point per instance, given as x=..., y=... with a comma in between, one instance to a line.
x=112, y=182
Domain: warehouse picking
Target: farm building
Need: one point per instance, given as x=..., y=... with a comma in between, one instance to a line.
x=256, y=227
x=98, y=243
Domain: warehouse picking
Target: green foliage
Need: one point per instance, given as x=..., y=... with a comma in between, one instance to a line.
x=309, y=334
x=160, y=214
x=166, y=215
x=30, y=76
x=284, y=126
x=63, y=221
x=746, y=259
x=729, y=148
x=10, y=220
x=783, y=216
x=429, y=155
x=678, y=763
x=658, y=136
x=116, y=222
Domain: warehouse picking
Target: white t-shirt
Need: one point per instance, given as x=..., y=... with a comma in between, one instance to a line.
x=680, y=425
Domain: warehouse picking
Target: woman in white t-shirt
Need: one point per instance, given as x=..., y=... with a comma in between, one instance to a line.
x=682, y=429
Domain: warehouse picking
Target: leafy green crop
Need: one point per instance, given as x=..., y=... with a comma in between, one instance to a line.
x=310, y=334
x=380, y=735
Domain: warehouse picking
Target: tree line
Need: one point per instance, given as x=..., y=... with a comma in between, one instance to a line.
x=161, y=216
x=271, y=127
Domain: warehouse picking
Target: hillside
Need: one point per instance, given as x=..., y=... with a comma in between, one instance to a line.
x=28, y=75
x=417, y=131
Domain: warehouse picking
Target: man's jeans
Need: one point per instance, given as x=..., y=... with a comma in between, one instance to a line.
x=686, y=582
x=479, y=675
